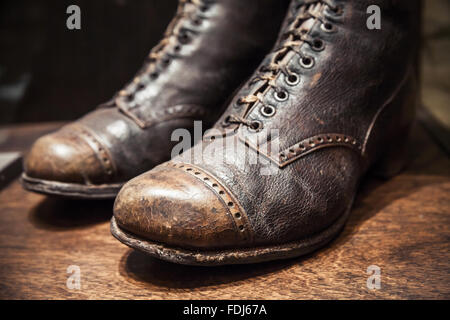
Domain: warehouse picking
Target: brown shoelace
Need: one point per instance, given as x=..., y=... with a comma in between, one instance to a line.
x=293, y=38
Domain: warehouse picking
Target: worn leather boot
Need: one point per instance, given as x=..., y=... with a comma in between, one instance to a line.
x=209, y=49
x=331, y=101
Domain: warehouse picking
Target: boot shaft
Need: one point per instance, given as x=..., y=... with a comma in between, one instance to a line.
x=330, y=74
x=208, y=49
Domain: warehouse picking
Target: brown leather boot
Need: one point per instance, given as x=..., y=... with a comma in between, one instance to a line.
x=209, y=49
x=332, y=100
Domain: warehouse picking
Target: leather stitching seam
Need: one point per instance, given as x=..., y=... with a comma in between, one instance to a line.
x=174, y=112
x=307, y=146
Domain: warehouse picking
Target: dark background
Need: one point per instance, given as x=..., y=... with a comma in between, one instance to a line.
x=50, y=73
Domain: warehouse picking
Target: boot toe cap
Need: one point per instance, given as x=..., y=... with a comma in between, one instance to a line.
x=180, y=207
x=65, y=156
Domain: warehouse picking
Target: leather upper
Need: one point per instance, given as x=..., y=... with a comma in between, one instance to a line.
x=209, y=49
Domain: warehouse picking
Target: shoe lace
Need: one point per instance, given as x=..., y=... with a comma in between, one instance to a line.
x=159, y=57
x=291, y=40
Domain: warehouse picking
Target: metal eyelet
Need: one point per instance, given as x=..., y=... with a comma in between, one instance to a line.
x=184, y=38
x=129, y=97
x=255, y=126
x=292, y=79
x=226, y=122
x=307, y=62
x=268, y=111
x=166, y=61
x=327, y=27
x=334, y=11
x=140, y=86
x=197, y=21
x=317, y=45
x=204, y=8
x=337, y=11
x=281, y=95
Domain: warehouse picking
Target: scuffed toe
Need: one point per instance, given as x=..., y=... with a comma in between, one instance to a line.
x=181, y=207
x=67, y=156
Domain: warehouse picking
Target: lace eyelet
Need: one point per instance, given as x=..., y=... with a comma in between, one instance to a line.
x=197, y=22
x=184, y=38
x=292, y=79
x=140, y=86
x=268, y=111
x=166, y=61
x=281, y=95
x=317, y=45
x=327, y=27
x=307, y=62
x=255, y=126
x=154, y=75
x=226, y=122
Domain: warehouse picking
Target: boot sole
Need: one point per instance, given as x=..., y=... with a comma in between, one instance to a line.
x=70, y=190
x=230, y=256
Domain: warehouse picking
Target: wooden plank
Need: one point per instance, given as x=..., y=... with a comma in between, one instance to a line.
x=20, y=137
x=401, y=225
x=10, y=167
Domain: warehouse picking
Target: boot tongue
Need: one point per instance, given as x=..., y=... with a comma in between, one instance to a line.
x=303, y=19
x=300, y=23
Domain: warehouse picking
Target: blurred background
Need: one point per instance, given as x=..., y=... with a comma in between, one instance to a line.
x=50, y=73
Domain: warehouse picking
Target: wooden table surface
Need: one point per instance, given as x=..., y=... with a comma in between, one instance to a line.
x=401, y=225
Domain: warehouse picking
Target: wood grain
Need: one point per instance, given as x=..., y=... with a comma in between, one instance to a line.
x=401, y=225
x=10, y=167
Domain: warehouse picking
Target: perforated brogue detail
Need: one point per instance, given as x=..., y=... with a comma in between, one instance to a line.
x=234, y=209
x=102, y=153
x=306, y=146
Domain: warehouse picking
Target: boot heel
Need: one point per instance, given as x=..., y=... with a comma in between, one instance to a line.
x=393, y=161
x=397, y=139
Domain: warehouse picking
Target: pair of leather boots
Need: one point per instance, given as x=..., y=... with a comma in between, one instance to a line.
x=276, y=175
